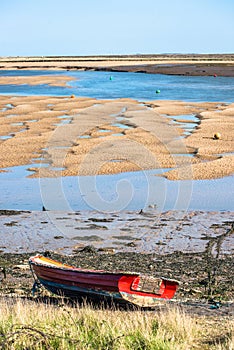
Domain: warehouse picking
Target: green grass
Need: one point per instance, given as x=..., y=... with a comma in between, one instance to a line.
x=34, y=325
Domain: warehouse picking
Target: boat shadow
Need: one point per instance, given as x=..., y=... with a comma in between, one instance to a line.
x=82, y=302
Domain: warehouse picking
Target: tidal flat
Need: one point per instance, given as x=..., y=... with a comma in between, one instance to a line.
x=70, y=135
x=83, y=136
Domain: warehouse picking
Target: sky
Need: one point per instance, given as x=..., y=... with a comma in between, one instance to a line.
x=101, y=27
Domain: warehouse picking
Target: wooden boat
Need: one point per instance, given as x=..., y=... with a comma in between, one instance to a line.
x=118, y=287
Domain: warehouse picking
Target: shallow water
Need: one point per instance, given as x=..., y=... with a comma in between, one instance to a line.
x=187, y=122
x=128, y=191
x=113, y=193
x=138, y=86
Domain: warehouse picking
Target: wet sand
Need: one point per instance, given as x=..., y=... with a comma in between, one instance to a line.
x=70, y=136
x=54, y=80
x=147, y=232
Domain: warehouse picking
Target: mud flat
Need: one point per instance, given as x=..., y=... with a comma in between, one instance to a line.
x=194, y=247
x=178, y=64
x=70, y=136
x=144, y=232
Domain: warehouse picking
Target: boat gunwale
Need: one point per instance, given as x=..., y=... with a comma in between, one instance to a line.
x=137, y=297
x=71, y=268
x=66, y=267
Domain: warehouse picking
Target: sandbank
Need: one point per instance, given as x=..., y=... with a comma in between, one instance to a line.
x=53, y=80
x=72, y=136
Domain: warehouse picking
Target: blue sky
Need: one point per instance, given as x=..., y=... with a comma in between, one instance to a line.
x=91, y=27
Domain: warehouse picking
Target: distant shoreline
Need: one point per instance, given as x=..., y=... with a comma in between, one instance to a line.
x=172, y=64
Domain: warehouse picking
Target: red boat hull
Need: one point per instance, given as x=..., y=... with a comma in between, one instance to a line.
x=121, y=287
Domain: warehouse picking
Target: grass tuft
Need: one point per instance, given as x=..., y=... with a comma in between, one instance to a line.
x=33, y=325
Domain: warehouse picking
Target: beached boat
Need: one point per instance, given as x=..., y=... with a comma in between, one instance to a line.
x=118, y=287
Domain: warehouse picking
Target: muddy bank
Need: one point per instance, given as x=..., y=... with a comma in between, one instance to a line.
x=196, y=248
x=119, y=242
x=178, y=64
x=188, y=69
x=204, y=281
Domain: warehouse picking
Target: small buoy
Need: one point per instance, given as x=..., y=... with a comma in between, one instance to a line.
x=111, y=78
x=157, y=91
x=217, y=136
x=72, y=96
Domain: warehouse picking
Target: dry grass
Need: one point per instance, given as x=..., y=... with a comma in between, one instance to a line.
x=33, y=325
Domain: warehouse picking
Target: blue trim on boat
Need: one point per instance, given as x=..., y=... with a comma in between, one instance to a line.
x=74, y=291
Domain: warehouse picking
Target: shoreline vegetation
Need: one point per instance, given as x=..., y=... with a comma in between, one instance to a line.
x=200, y=316
x=60, y=325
